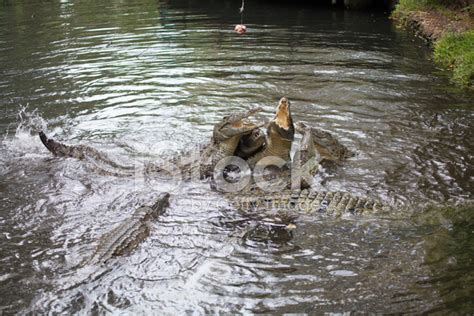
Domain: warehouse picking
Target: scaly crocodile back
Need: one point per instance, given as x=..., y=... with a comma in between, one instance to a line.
x=307, y=202
x=127, y=236
x=121, y=240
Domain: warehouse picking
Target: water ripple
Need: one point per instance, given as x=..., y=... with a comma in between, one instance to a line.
x=145, y=79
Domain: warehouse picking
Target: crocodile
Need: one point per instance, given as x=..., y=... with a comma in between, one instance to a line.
x=327, y=145
x=274, y=217
x=300, y=172
x=124, y=238
x=272, y=162
x=298, y=196
x=225, y=142
x=226, y=138
x=305, y=163
x=280, y=135
x=297, y=174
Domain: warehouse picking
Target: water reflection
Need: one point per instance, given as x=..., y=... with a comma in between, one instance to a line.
x=140, y=79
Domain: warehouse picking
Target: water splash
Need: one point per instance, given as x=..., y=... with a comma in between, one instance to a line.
x=24, y=143
x=168, y=70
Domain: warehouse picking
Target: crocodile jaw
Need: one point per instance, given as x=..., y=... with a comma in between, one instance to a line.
x=283, y=115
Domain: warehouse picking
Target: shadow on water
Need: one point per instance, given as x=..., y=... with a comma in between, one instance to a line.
x=145, y=79
x=448, y=244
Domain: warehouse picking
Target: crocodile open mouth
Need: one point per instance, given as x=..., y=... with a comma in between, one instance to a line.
x=283, y=116
x=238, y=124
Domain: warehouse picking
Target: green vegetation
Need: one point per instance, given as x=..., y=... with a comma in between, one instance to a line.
x=450, y=8
x=412, y=5
x=409, y=5
x=454, y=51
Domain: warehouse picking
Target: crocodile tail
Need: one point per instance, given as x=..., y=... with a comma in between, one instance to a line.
x=53, y=146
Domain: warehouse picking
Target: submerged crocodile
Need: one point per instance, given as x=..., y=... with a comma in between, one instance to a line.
x=124, y=238
x=306, y=202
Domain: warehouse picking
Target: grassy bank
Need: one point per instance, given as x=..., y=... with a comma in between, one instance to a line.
x=448, y=26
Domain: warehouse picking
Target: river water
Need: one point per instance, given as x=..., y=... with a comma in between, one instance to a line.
x=143, y=79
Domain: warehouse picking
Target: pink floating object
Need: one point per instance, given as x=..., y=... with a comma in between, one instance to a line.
x=240, y=29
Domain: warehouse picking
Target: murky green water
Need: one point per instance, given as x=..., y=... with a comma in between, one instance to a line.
x=144, y=78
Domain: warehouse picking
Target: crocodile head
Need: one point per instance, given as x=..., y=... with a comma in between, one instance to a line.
x=162, y=202
x=280, y=135
x=283, y=121
x=228, y=132
x=300, y=127
x=327, y=145
x=234, y=125
x=279, y=129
